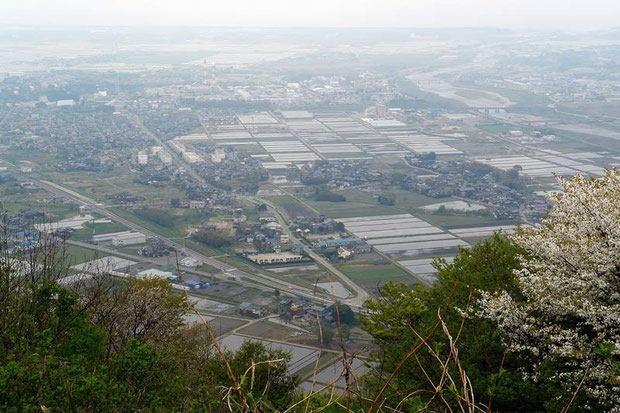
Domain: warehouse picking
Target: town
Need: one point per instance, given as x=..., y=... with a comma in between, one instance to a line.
x=282, y=189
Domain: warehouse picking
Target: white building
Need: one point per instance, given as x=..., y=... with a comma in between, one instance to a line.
x=190, y=262
x=197, y=204
x=65, y=102
x=128, y=239
x=143, y=159
x=155, y=150
x=154, y=273
x=218, y=156
x=191, y=157
x=109, y=236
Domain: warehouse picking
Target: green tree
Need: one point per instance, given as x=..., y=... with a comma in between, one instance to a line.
x=403, y=315
x=215, y=239
x=110, y=346
x=347, y=316
x=325, y=336
x=387, y=199
x=262, y=374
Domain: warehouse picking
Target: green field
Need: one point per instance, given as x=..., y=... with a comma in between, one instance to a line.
x=201, y=248
x=90, y=229
x=267, y=329
x=411, y=199
x=281, y=199
x=377, y=274
x=53, y=211
x=362, y=203
x=97, y=185
x=78, y=255
x=178, y=220
x=351, y=209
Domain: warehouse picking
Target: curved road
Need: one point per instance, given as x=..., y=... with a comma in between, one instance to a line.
x=227, y=269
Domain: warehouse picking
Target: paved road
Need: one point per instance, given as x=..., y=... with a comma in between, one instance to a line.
x=227, y=270
x=360, y=294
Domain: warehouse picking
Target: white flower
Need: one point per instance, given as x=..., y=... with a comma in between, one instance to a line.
x=570, y=279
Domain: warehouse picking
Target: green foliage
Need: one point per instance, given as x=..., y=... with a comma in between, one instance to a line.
x=325, y=336
x=211, y=238
x=267, y=385
x=321, y=193
x=156, y=216
x=347, y=316
x=404, y=315
x=387, y=199
x=398, y=179
x=120, y=348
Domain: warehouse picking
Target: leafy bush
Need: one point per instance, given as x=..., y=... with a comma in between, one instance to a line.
x=212, y=238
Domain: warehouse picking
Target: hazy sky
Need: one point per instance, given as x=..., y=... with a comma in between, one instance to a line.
x=537, y=14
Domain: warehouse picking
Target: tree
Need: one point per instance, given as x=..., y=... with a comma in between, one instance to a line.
x=157, y=216
x=398, y=178
x=144, y=310
x=565, y=316
x=339, y=226
x=346, y=332
x=175, y=202
x=262, y=374
x=322, y=193
x=387, y=199
x=108, y=346
x=325, y=336
x=403, y=315
x=211, y=238
x=347, y=316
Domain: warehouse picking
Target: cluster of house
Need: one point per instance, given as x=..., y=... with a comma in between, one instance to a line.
x=343, y=248
x=252, y=310
x=124, y=197
x=318, y=225
x=20, y=242
x=296, y=308
x=163, y=116
x=302, y=308
x=266, y=234
x=232, y=167
x=341, y=173
x=472, y=181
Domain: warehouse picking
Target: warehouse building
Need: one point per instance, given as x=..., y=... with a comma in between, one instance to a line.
x=131, y=238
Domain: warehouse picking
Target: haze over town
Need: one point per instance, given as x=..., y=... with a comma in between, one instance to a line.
x=546, y=15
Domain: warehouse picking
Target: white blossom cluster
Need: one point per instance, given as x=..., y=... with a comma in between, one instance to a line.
x=569, y=312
